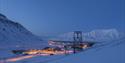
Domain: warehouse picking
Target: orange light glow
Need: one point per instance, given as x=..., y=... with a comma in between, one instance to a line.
x=19, y=58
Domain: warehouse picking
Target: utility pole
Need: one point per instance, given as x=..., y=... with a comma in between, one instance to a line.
x=77, y=36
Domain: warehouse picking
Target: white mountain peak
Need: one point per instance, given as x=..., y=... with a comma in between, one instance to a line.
x=94, y=35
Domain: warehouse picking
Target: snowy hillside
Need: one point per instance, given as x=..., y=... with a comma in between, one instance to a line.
x=15, y=34
x=107, y=54
x=95, y=35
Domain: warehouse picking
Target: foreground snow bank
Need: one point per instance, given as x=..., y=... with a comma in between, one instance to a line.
x=109, y=54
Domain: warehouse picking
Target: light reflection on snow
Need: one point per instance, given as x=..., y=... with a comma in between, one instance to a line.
x=14, y=59
x=19, y=58
x=23, y=57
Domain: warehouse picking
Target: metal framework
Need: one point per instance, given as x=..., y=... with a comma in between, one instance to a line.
x=77, y=36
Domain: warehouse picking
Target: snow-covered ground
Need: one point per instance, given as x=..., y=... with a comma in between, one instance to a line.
x=111, y=53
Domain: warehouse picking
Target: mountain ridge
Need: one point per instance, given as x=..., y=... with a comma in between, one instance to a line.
x=14, y=33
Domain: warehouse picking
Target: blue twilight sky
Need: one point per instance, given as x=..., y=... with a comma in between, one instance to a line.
x=53, y=17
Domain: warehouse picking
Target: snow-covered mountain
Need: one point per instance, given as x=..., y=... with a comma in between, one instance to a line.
x=95, y=35
x=13, y=33
x=102, y=35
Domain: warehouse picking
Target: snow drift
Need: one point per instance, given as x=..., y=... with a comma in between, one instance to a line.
x=107, y=54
